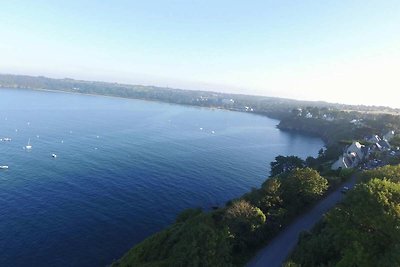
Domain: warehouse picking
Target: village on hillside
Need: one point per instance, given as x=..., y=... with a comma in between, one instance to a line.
x=376, y=152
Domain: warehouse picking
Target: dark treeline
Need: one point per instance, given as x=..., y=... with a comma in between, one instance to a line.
x=274, y=107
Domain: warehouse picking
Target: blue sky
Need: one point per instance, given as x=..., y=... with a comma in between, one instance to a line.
x=340, y=51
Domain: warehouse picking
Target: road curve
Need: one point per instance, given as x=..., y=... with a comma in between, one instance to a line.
x=279, y=248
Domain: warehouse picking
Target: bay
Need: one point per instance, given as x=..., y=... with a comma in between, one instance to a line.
x=124, y=169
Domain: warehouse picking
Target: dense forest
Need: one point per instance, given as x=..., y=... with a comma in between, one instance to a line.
x=363, y=230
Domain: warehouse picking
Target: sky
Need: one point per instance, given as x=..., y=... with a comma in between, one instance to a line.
x=345, y=51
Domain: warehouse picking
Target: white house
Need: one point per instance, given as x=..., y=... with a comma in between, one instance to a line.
x=351, y=157
x=342, y=163
x=356, y=148
x=374, y=139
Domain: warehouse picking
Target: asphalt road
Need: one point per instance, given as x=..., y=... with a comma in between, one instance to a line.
x=277, y=251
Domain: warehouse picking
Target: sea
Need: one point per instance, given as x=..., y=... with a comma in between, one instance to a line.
x=123, y=170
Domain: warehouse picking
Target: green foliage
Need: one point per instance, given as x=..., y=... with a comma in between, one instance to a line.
x=366, y=226
x=243, y=220
x=388, y=172
x=284, y=164
x=196, y=242
x=188, y=214
x=228, y=236
x=242, y=217
x=362, y=231
x=303, y=186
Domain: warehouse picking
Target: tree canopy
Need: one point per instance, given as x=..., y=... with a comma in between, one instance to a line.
x=302, y=186
x=198, y=241
x=284, y=164
x=363, y=230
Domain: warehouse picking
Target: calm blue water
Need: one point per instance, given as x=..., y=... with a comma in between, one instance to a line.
x=124, y=170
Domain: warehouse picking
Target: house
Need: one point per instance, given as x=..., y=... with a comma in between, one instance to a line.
x=384, y=144
x=356, y=148
x=374, y=139
x=309, y=115
x=388, y=136
x=376, y=147
x=342, y=163
x=358, y=123
x=351, y=157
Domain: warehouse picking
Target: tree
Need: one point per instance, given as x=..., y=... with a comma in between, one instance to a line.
x=388, y=172
x=362, y=231
x=198, y=242
x=312, y=162
x=302, y=186
x=243, y=220
x=366, y=225
x=284, y=164
x=243, y=216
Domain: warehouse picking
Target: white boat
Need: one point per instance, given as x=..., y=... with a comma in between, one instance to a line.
x=6, y=139
x=28, y=146
x=54, y=155
x=3, y=167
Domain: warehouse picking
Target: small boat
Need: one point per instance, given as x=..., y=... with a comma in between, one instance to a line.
x=54, y=155
x=3, y=167
x=28, y=146
x=6, y=139
x=213, y=132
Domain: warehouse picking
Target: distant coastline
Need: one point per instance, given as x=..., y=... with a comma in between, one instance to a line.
x=275, y=108
x=279, y=125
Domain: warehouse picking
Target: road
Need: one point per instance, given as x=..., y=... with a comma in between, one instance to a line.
x=277, y=251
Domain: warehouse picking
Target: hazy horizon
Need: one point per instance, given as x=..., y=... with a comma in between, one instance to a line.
x=341, y=52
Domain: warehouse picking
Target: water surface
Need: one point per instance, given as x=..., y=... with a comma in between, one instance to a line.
x=124, y=169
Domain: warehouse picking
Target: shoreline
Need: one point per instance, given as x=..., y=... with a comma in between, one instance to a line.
x=278, y=125
x=132, y=98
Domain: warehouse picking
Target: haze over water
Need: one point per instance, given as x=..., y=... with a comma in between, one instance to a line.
x=124, y=169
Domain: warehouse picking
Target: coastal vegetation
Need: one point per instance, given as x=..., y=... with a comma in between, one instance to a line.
x=229, y=236
x=363, y=230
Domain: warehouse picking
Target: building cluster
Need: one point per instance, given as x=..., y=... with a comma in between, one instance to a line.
x=357, y=153
x=299, y=112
